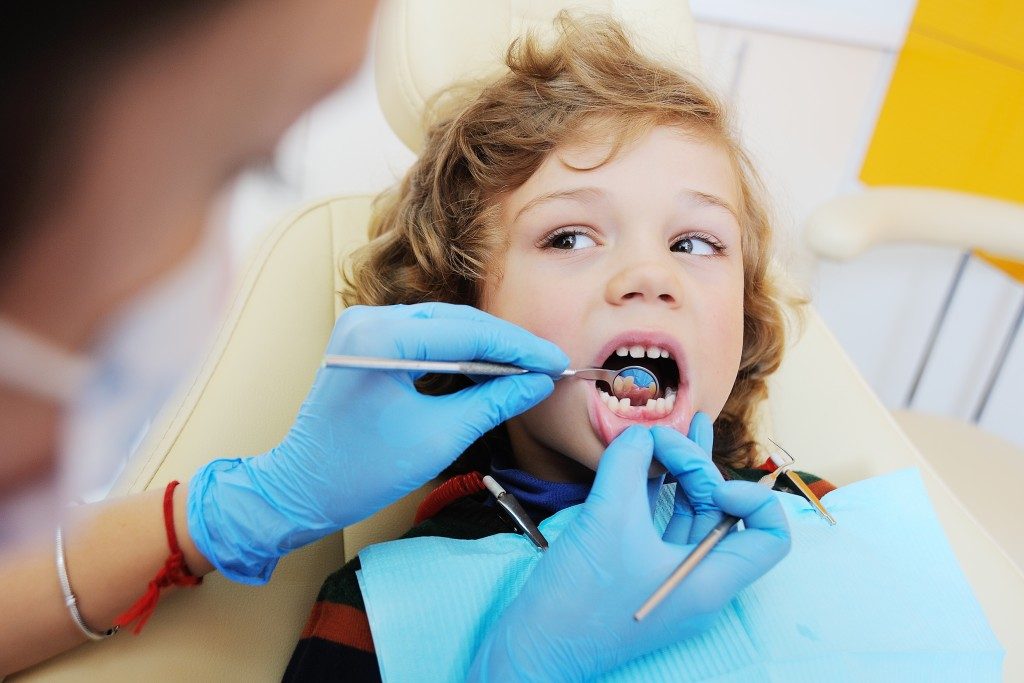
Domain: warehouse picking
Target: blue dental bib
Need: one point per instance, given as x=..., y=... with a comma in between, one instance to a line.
x=879, y=596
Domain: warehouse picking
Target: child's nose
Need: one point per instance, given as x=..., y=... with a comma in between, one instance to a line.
x=649, y=281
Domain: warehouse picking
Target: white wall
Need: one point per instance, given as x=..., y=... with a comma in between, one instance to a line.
x=806, y=81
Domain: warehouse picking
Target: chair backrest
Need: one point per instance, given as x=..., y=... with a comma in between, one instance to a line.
x=425, y=47
x=250, y=388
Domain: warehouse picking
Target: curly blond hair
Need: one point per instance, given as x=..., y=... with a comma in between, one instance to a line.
x=434, y=236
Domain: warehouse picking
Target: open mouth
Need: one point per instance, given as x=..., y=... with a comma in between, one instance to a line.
x=656, y=355
x=633, y=392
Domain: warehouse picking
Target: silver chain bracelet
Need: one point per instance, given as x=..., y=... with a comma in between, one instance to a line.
x=69, y=597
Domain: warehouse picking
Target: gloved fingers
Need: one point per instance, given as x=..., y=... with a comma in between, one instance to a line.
x=687, y=461
x=705, y=516
x=494, y=341
x=621, y=480
x=484, y=406
x=745, y=556
x=766, y=537
x=452, y=333
x=756, y=505
x=681, y=521
x=704, y=520
x=694, y=511
x=702, y=431
x=742, y=556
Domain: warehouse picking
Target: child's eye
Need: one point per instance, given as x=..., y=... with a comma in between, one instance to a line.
x=570, y=240
x=699, y=245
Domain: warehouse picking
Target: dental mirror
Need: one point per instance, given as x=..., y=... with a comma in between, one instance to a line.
x=635, y=382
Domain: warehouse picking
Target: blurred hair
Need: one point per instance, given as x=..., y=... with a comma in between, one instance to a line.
x=55, y=58
x=435, y=236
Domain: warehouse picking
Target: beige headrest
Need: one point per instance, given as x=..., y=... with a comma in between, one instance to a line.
x=424, y=47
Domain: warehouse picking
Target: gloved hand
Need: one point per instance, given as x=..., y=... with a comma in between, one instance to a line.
x=363, y=439
x=573, y=619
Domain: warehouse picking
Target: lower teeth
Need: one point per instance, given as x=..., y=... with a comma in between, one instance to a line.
x=623, y=406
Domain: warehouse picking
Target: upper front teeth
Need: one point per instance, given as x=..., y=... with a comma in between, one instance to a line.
x=639, y=351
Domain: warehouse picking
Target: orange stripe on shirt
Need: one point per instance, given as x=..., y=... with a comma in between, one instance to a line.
x=342, y=624
x=821, y=487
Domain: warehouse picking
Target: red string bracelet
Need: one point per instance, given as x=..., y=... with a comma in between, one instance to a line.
x=174, y=572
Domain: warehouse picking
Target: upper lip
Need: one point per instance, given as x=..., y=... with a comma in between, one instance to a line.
x=644, y=338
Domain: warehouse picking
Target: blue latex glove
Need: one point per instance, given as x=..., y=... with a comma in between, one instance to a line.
x=574, y=618
x=363, y=439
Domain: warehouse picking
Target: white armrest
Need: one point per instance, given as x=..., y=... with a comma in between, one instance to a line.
x=847, y=226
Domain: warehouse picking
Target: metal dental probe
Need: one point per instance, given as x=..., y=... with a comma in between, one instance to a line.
x=519, y=517
x=805, y=489
x=784, y=462
x=481, y=368
x=699, y=552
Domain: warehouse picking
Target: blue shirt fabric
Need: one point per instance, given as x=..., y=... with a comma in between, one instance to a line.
x=539, y=498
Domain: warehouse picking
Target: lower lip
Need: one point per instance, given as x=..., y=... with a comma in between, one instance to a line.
x=608, y=425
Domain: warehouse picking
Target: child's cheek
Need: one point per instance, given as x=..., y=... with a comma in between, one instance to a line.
x=721, y=364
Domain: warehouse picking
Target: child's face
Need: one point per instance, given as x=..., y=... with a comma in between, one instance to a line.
x=643, y=254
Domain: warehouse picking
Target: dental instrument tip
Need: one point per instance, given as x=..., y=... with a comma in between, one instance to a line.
x=514, y=510
x=780, y=458
x=798, y=481
x=809, y=495
x=494, y=487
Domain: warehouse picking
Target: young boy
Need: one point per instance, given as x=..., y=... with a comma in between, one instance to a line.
x=599, y=200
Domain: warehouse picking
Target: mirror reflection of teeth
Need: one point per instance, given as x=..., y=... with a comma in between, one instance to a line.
x=638, y=351
x=653, y=409
x=622, y=386
x=642, y=378
x=637, y=385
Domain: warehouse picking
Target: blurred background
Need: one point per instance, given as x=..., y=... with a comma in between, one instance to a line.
x=830, y=98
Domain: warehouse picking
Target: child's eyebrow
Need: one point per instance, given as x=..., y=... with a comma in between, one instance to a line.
x=578, y=194
x=705, y=199
x=586, y=194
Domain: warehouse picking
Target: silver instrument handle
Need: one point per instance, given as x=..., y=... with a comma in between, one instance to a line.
x=455, y=367
x=440, y=366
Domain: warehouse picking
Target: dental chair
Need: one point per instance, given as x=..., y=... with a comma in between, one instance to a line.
x=960, y=452
x=251, y=385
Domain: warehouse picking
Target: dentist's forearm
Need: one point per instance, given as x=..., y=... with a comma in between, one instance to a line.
x=112, y=549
